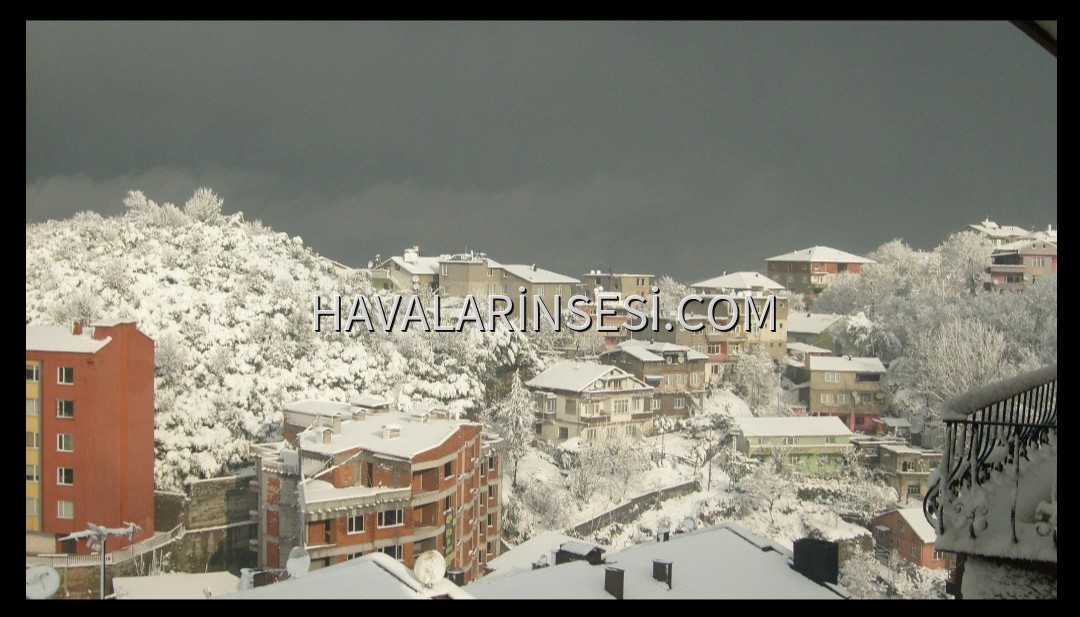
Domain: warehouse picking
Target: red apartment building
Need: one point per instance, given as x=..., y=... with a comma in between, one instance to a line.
x=810, y=271
x=89, y=433
x=907, y=532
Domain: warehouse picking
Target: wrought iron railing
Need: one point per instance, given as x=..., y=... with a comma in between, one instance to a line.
x=991, y=431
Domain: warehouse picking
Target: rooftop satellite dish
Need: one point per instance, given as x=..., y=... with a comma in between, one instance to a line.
x=430, y=568
x=41, y=582
x=689, y=524
x=298, y=562
x=415, y=286
x=416, y=278
x=370, y=264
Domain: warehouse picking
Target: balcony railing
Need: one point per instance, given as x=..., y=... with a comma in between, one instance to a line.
x=995, y=492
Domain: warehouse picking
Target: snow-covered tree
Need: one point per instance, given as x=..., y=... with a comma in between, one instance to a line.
x=862, y=336
x=736, y=465
x=514, y=419
x=754, y=378
x=204, y=206
x=964, y=258
x=671, y=293
x=958, y=355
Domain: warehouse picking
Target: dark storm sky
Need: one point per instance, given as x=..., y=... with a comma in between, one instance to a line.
x=679, y=148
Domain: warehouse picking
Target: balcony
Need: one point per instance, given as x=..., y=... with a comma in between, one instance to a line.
x=995, y=492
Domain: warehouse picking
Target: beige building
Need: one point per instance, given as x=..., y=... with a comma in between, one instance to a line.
x=814, y=445
x=590, y=401
x=1016, y=265
x=997, y=234
x=849, y=387
x=411, y=271
x=677, y=373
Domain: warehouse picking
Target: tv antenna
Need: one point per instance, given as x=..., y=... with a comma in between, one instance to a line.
x=96, y=537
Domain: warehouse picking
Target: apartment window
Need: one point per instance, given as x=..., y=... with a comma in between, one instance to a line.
x=939, y=555
x=65, y=509
x=667, y=380
x=539, y=290
x=900, y=528
x=33, y=406
x=33, y=473
x=445, y=270
x=680, y=403
x=913, y=491
x=491, y=288
x=859, y=420
x=867, y=377
x=356, y=524
x=914, y=550
x=550, y=406
x=866, y=398
x=352, y=556
x=490, y=271
x=491, y=463
x=831, y=377
x=622, y=405
x=1038, y=262
x=830, y=440
x=591, y=433
x=611, y=431
x=391, y=518
x=33, y=440
x=65, y=409
x=842, y=398
x=446, y=503
x=491, y=491
x=713, y=349
x=491, y=520
x=794, y=460
x=33, y=506
x=33, y=372
x=394, y=551
x=65, y=375
x=564, y=433
x=65, y=476
x=695, y=379
x=826, y=399
x=681, y=378
x=630, y=430
x=65, y=442
x=654, y=404
x=761, y=441
x=489, y=553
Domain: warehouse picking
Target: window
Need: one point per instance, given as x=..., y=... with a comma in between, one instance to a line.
x=489, y=271
x=794, y=460
x=446, y=503
x=491, y=520
x=591, y=433
x=33, y=407
x=913, y=491
x=33, y=372
x=65, y=442
x=681, y=379
x=622, y=405
x=491, y=463
x=65, y=409
x=667, y=380
x=326, y=530
x=491, y=288
x=867, y=377
x=900, y=528
x=680, y=403
x=831, y=377
x=33, y=473
x=611, y=431
x=491, y=491
x=830, y=440
x=448, y=469
x=842, y=398
x=564, y=433
x=33, y=440
x=65, y=509
x=826, y=399
x=630, y=429
x=539, y=290
x=1038, y=262
x=65, y=476
x=859, y=420
x=394, y=551
x=65, y=375
x=654, y=404
x=352, y=556
x=939, y=555
x=391, y=518
x=695, y=379
x=551, y=404
x=914, y=551
x=866, y=398
x=33, y=506
x=356, y=524
x=489, y=553
x=445, y=270
x=713, y=349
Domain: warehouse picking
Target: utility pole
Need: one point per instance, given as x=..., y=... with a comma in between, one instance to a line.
x=96, y=537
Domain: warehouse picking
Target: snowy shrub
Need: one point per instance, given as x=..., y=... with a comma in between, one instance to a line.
x=204, y=206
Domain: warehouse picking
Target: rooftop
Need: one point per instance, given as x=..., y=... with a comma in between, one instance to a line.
x=846, y=364
x=416, y=435
x=810, y=323
x=721, y=562
x=175, y=586
x=418, y=265
x=916, y=519
x=740, y=280
x=803, y=426
x=574, y=376
x=60, y=338
x=804, y=348
x=820, y=254
x=532, y=274
x=653, y=352
x=992, y=229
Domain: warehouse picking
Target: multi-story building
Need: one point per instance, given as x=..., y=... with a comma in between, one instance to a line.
x=590, y=401
x=817, y=329
x=621, y=284
x=810, y=271
x=360, y=478
x=736, y=284
x=89, y=433
x=814, y=445
x=676, y=372
x=906, y=531
x=907, y=469
x=997, y=234
x=477, y=274
x=411, y=271
x=1016, y=265
x=849, y=387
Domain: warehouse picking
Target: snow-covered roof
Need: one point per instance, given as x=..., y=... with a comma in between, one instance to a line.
x=820, y=254
x=577, y=547
x=992, y=229
x=804, y=348
x=538, y=275
x=316, y=491
x=1016, y=245
x=422, y=265
x=846, y=364
x=522, y=556
x=897, y=448
x=1049, y=235
x=416, y=435
x=110, y=323
x=915, y=519
x=808, y=426
x=810, y=323
x=721, y=562
x=320, y=408
x=573, y=376
x=653, y=352
x=60, y=338
x=370, y=401
x=894, y=422
x=175, y=586
x=739, y=280
x=375, y=576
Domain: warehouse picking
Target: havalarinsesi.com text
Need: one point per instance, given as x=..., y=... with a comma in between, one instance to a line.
x=384, y=312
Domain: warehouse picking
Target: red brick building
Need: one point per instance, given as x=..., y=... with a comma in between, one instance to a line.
x=89, y=433
x=378, y=480
x=810, y=271
x=907, y=532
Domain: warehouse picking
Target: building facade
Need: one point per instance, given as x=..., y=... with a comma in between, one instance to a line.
x=810, y=271
x=358, y=479
x=813, y=445
x=851, y=388
x=1016, y=265
x=677, y=373
x=591, y=402
x=89, y=433
x=907, y=532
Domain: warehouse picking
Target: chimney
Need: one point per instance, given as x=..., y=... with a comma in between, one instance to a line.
x=661, y=571
x=534, y=267
x=817, y=560
x=359, y=415
x=391, y=431
x=326, y=435
x=613, y=582
x=337, y=424
x=663, y=535
x=76, y=328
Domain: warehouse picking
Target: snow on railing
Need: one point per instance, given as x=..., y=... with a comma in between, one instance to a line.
x=992, y=432
x=120, y=556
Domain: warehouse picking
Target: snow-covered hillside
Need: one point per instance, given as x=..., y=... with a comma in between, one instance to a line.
x=229, y=303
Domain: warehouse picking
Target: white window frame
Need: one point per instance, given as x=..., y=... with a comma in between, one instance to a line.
x=36, y=368
x=36, y=439
x=60, y=439
x=33, y=506
x=33, y=473
x=350, y=526
x=33, y=407
x=394, y=550
x=400, y=516
x=60, y=476
x=832, y=377
x=680, y=403
x=60, y=375
x=60, y=406
x=654, y=404
x=67, y=513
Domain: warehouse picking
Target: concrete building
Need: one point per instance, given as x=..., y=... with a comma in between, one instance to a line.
x=814, y=445
x=810, y=271
x=997, y=234
x=1016, y=265
x=676, y=372
x=590, y=401
x=849, y=387
x=89, y=433
x=357, y=480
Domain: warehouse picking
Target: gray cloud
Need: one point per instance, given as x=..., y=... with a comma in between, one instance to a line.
x=685, y=148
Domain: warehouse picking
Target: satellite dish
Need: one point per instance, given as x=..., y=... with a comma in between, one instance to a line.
x=416, y=278
x=298, y=562
x=41, y=582
x=370, y=264
x=682, y=359
x=689, y=524
x=430, y=568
